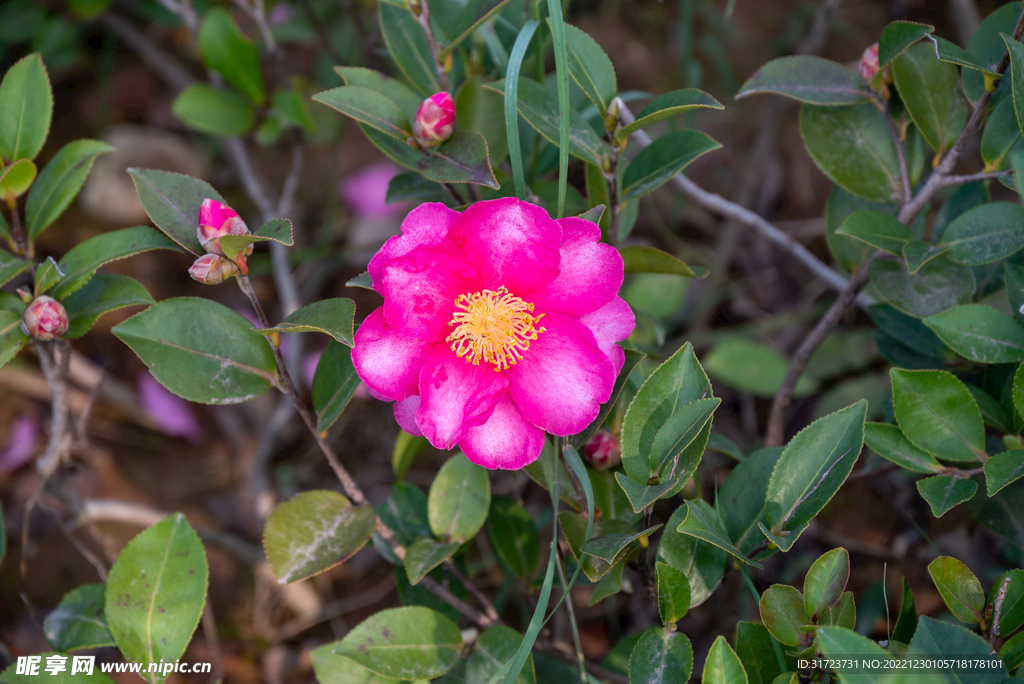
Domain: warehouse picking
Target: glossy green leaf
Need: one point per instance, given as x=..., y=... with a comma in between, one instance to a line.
x=985, y=234
x=702, y=521
x=1011, y=617
x=397, y=151
x=78, y=621
x=755, y=650
x=877, y=229
x=611, y=532
x=840, y=643
x=611, y=547
x=275, y=230
x=702, y=563
x=405, y=513
x=927, y=87
x=102, y=294
x=918, y=253
x=513, y=536
x=314, y=531
x=1012, y=652
x=666, y=106
x=980, y=333
x=661, y=656
x=391, y=88
x=641, y=496
x=16, y=178
x=11, y=266
x=938, y=285
x=953, y=53
x=960, y=589
x=332, y=317
x=81, y=262
x=590, y=67
x=1018, y=390
x=425, y=554
x=47, y=275
x=510, y=92
x=407, y=44
x=848, y=252
x=896, y=37
x=1016, y=53
x=172, y=201
x=404, y=643
x=888, y=442
x=331, y=668
x=657, y=163
x=463, y=158
x=825, y=581
x=632, y=358
x=935, y=639
x=225, y=50
x=214, y=111
x=852, y=146
x=937, y=413
x=752, y=367
x=495, y=647
x=459, y=499
x=741, y=499
x=201, y=350
x=59, y=183
x=1001, y=136
x=643, y=259
x=723, y=666
x=681, y=431
x=1002, y=469
x=987, y=49
x=12, y=338
x=906, y=620
x=783, y=613
x=159, y=581
x=611, y=583
x=673, y=592
x=334, y=383
x=481, y=110
x=26, y=107
x=556, y=24
x=808, y=79
x=813, y=466
x=368, y=107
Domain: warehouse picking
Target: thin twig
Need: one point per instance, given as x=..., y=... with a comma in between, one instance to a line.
x=213, y=642
x=974, y=177
x=571, y=610
x=997, y=608
x=489, y=609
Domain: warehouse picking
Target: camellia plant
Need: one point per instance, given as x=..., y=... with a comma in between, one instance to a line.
x=503, y=339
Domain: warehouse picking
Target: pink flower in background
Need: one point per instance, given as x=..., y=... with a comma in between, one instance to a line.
x=21, y=443
x=603, y=450
x=435, y=120
x=171, y=413
x=366, y=191
x=281, y=13
x=498, y=324
x=869, y=63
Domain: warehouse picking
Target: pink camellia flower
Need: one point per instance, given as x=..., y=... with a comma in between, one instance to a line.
x=603, y=451
x=869, y=63
x=435, y=120
x=217, y=220
x=45, y=318
x=498, y=324
x=211, y=269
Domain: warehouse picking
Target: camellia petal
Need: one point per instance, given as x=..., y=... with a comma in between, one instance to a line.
x=388, y=363
x=405, y=414
x=455, y=394
x=513, y=244
x=505, y=440
x=420, y=289
x=427, y=224
x=563, y=379
x=612, y=323
x=590, y=271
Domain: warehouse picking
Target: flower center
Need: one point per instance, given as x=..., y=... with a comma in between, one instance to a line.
x=494, y=326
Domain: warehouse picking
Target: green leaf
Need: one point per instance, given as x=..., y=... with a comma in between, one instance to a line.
x=643, y=259
x=11, y=266
x=848, y=252
x=1002, y=469
x=399, y=152
x=405, y=512
x=722, y=666
x=480, y=110
x=852, y=146
x=12, y=339
x=590, y=67
x=26, y=107
x=495, y=647
x=313, y=532
x=825, y=581
x=1018, y=390
x=813, y=466
x=463, y=158
x=783, y=613
x=682, y=430
x=755, y=649
x=906, y=619
x=80, y=263
x=16, y=178
x=59, y=183
x=557, y=26
x=103, y=294
x=159, y=581
x=292, y=107
x=784, y=539
x=214, y=111
x=276, y=230
x=334, y=383
x=896, y=37
x=702, y=521
x=752, y=367
x=960, y=590
x=740, y=501
x=408, y=45
x=1016, y=53
x=918, y=253
x=335, y=669
x=888, y=442
x=539, y=107
x=368, y=107
x=987, y=49
x=808, y=79
x=632, y=358
x=510, y=92
x=391, y=88
x=332, y=317
x=951, y=52
x=1011, y=617
x=877, y=229
x=841, y=643
x=404, y=643
x=201, y=350
x=657, y=163
x=661, y=656
x=425, y=554
x=609, y=497
x=980, y=333
x=405, y=452
x=666, y=106
x=702, y=563
x=225, y=50
x=78, y=621
x=641, y=496
x=937, y=413
x=574, y=528
x=172, y=201
x=610, y=548
x=935, y=639
x=459, y=499
x=611, y=583
x=673, y=593
x=47, y=275
x=938, y=285
x=927, y=87
x=513, y=536
x=985, y=234
x=1001, y=137
x=1012, y=652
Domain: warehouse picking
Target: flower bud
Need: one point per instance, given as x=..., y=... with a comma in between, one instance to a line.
x=869, y=63
x=435, y=120
x=211, y=269
x=45, y=318
x=217, y=220
x=603, y=451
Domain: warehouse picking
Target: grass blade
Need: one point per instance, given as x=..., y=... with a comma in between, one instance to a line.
x=515, y=63
x=562, y=78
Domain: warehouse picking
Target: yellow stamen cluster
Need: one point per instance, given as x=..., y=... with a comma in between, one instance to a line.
x=493, y=326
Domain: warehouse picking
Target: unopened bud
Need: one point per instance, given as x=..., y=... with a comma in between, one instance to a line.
x=45, y=319
x=603, y=451
x=869, y=63
x=217, y=220
x=435, y=120
x=211, y=269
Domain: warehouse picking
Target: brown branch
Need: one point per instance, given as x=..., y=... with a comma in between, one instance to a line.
x=997, y=608
x=421, y=10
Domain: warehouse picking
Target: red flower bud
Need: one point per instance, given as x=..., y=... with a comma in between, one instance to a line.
x=211, y=269
x=435, y=120
x=869, y=63
x=603, y=451
x=217, y=220
x=45, y=318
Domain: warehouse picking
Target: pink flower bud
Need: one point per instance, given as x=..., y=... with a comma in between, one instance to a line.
x=603, y=451
x=217, y=220
x=211, y=269
x=435, y=120
x=869, y=63
x=45, y=318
